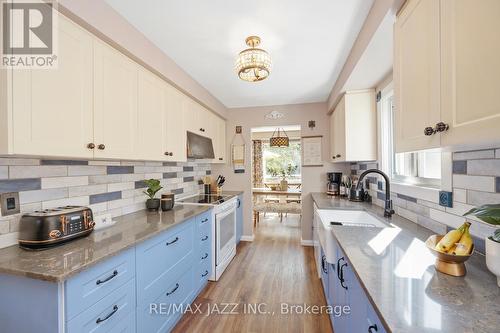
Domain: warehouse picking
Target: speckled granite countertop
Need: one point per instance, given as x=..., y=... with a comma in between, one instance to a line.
x=397, y=272
x=59, y=263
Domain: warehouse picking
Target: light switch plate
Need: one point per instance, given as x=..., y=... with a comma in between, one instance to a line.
x=9, y=203
x=103, y=221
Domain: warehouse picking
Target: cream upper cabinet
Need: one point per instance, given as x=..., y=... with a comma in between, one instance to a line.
x=470, y=60
x=417, y=75
x=115, y=103
x=220, y=141
x=150, y=116
x=174, y=137
x=51, y=109
x=353, y=130
x=192, y=117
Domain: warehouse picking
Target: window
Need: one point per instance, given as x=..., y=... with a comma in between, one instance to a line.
x=419, y=168
x=281, y=161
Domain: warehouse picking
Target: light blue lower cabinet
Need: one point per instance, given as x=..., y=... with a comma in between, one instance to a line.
x=352, y=311
x=239, y=218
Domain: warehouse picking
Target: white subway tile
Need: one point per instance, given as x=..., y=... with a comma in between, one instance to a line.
x=4, y=226
x=497, y=153
x=38, y=171
x=484, y=167
x=4, y=172
x=86, y=170
x=132, y=177
x=479, y=183
x=8, y=239
x=31, y=207
x=478, y=198
x=474, y=155
x=99, y=208
x=451, y=220
x=460, y=195
x=153, y=163
x=430, y=204
x=153, y=176
x=75, y=201
x=120, y=203
x=105, y=163
x=120, y=186
x=42, y=195
x=78, y=191
x=459, y=208
x=132, y=163
x=133, y=208
x=407, y=214
x=56, y=182
x=19, y=161
x=105, y=179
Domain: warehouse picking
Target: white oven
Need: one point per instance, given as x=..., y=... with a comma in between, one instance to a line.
x=223, y=237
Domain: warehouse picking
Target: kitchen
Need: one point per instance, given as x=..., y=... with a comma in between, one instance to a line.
x=127, y=159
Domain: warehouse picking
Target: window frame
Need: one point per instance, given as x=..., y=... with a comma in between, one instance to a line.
x=298, y=176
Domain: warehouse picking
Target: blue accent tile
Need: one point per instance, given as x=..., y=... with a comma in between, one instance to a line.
x=188, y=179
x=18, y=185
x=168, y=175
x=178, y=191
x=460, y=167
x=208, y=172
x=407, y=198
x=104, y=197
x=188, y=168
x=169, y=163
x=380, y=185
x=114, y=170
x=140, y=184
x=479, y=244
x=362, y=167
x=63, y=162
x=381, y=195
x=446, y=199
x=497, y=184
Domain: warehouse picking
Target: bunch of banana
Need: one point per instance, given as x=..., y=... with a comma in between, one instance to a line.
x=458, y=242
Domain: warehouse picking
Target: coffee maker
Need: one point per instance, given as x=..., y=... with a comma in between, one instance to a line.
x=333, y=185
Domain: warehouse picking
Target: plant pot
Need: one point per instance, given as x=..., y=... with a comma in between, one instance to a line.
x=493, y=258
x=153, y=204
x=284, y=185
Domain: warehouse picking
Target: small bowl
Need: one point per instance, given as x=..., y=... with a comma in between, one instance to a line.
x=447, y=263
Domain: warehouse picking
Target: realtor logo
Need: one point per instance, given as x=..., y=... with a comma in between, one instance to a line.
x=28, y=34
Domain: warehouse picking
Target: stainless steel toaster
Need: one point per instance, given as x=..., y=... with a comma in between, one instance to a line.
x=50, y=227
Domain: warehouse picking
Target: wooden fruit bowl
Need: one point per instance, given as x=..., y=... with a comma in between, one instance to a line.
x=445, y=262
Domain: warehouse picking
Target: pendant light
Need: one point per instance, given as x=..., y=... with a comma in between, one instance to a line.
x=253, y=64
x=279, y=139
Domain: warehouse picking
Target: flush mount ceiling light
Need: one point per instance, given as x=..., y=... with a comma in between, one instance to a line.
x=280, y=139
x=253, y=64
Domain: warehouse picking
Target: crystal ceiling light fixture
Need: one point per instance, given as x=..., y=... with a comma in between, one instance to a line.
x=253, y=64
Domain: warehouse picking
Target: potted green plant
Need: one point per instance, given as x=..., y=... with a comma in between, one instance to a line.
x=491, y=215
x=153, y=187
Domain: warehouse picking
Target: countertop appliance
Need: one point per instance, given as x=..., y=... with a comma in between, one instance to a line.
x=333, y=185
x=50, y=227
x=223, y=227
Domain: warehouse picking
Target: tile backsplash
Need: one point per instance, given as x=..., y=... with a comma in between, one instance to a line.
x=476, y=181
x=113, y=187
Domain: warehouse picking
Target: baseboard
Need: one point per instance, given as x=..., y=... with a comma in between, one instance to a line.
x=247, y=238
x=306, y=242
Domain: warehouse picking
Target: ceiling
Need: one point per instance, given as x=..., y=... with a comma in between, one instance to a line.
x=308, y=41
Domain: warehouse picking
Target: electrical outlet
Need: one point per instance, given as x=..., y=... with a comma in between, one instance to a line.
x=103, y=221
x=9, y=203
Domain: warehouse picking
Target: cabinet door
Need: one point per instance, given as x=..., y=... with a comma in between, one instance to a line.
x=332, y=137
x=339, y=132
x=52, y=108
x=220, y=141
x=115, y=103
x=150, y=113
x=174, y=138
x=470, y=46
x=417, y=75
x=192, y=116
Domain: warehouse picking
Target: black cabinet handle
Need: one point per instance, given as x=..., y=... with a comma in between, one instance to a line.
x=173, y=290
x=99, y=320
x=323, y=265
x=204, y=221
x=91, y=145
x=428, y=131
x=338, y=267
x=441, y=127
x=220, y=159
x=373, y=328
x=202, y=130
x=338, y=155
x=204, y=238
x=239, y=203
x=333, y=157
x=115, y=273
x=172, y=242
x=204, y=274
x=167, y=153
x=342, y=276
x=205, y=256
x=101, y=147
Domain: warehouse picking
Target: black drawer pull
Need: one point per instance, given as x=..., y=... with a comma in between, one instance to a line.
x=172, y=242
x=204, y=221
x=115, y=273
x=205, y=256
x=99, y=320
x=173, y=290
x=204, y=274
x=373, y=328
x=204, y=238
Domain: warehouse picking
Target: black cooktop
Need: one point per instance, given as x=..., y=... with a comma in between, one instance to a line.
x=210, y=199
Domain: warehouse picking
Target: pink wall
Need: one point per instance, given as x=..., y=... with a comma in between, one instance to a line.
x=313, y=178
x=103, y=18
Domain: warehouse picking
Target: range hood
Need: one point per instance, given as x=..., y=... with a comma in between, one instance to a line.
x=199, y=146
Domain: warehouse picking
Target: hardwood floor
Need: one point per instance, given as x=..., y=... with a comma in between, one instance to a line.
x=273, y=269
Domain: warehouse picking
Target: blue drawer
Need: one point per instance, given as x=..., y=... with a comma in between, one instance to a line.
x=162, y=312
x=93, y=284
x=114, y=313
x=204, y=220
x=158, y=263
x=204, y=269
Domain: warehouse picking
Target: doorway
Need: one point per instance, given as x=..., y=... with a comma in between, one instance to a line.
x=276, y=180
